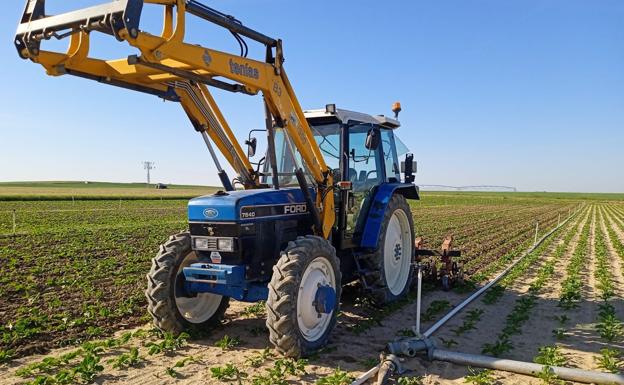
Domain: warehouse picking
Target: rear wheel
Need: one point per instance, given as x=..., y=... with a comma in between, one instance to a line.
x=171, y=308
x=304, y=296
x=393, y=258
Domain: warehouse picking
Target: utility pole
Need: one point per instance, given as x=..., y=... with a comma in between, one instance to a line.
x=149, y=166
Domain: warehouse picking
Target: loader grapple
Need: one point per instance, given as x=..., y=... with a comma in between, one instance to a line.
x=108, y=18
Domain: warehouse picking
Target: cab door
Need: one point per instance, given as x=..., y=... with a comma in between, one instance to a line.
x=366, y=171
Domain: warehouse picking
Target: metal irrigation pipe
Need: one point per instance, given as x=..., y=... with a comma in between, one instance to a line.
x=527, y=368
x=370, y=373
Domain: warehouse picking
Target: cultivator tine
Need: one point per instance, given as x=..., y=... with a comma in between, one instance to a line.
x=418, y=243
x=447, y=245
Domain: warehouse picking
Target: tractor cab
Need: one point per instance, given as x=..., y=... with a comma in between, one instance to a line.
x=364, y=154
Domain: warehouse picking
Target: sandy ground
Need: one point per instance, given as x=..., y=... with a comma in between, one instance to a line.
x=356, y=353
x=538, y=327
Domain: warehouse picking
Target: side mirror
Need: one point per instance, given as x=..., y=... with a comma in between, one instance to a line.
x=409, y=167
x=252, y=144
x=372, y=140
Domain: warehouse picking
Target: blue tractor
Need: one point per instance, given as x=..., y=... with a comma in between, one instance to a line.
x=258, y=245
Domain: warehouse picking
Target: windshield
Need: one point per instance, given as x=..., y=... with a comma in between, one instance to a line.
x=327, y=137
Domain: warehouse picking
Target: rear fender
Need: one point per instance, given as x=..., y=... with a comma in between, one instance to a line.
x=375, y=215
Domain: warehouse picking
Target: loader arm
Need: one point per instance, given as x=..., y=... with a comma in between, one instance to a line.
x=175, y=70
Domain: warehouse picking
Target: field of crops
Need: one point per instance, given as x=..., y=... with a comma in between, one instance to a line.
x=73, y=280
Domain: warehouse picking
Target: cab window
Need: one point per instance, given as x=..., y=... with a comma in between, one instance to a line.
x=364, y=165
x=390, y=157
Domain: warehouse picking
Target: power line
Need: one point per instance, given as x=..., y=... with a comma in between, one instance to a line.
x=149, y=166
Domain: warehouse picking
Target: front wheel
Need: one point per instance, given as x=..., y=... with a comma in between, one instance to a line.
x=304, y=296
x=392, y=261
x=172, y=309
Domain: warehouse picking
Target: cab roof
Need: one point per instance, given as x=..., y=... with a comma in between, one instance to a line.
x=346, y=116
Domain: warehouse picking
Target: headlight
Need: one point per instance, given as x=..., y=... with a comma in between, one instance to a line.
x=225, y=244
x=214, y=244
x=204, y=244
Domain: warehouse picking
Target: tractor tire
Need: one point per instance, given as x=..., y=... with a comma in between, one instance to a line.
x=296, y=327
x=170, y=311
x=392, y=262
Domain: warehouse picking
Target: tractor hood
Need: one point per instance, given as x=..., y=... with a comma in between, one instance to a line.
x=248, y=205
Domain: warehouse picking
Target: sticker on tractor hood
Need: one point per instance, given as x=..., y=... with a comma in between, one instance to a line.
x=252, y=212
x=211, y=213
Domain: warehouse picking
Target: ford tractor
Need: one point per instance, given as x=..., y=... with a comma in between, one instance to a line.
x=325, y=206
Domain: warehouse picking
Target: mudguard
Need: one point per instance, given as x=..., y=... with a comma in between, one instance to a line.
x=372, y=226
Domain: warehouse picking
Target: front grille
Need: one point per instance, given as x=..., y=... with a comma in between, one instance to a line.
x=215, y=229
x=212, y=244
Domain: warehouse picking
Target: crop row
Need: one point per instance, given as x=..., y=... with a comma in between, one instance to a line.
x=617, y=243
x=521, y=311
x=98, y=216
x=602, y=272
x=608, y=325
x=516, y=241
x=571, y=286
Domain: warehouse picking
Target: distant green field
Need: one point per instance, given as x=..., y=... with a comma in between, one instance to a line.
x=15, y=191
x=531, y=195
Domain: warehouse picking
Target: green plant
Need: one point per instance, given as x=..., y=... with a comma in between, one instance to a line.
x=493, y=294
x=6, y=355
x=559, y=333
x=562, y=319
x=338, y=377
x=89, y=368
x=448, y=343
x=256, y=310
x=475, y=314
x=172, y=372
x=126, y=360
x=550, y=356
x=480, y=377
x=228, y=373
x=410, y=381
x=258, y=359
x=610, y=328
x=168, y=345
x=498, y=348
x=610, y=360
x=277, y=374
x=434, y=309
x=548, y=377
x=227, y=342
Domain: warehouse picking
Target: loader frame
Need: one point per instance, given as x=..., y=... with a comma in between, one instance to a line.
x=174, y=70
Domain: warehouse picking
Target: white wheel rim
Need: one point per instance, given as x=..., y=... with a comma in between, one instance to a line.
x=313, y=324
x=397, y=252
x=200, y=308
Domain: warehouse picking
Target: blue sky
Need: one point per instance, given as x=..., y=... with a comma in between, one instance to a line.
x=519, y=93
